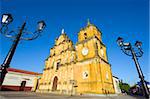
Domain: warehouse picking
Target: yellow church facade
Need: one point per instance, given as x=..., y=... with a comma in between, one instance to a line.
x=79, y=69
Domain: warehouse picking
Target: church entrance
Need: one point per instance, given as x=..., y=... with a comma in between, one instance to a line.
x=55, y=82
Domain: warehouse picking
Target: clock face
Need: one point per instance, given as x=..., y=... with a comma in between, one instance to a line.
x=85, y=51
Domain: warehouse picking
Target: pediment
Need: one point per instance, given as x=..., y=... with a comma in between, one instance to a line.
x=62, y=38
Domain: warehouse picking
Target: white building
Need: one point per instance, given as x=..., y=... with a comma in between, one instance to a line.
x=116, y=85
x=19, y=80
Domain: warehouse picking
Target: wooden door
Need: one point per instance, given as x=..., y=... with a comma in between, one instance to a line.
x=55, y=82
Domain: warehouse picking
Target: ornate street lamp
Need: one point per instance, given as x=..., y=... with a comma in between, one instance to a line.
x=6, y=19
x=135, y=52
x=23, y=34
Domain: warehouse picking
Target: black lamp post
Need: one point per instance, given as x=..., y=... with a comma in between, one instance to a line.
x=22, y=35
x=135, y=52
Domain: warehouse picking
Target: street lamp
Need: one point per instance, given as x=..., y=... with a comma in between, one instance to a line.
x=6, y=19
x=22, y=34
x=135, y=52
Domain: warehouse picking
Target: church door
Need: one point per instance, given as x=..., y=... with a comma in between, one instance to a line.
x=55, y=81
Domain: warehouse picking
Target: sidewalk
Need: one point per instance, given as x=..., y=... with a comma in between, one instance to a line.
x=33, y=95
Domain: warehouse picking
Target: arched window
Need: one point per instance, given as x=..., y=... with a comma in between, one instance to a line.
x=85, y=35
x=58, y=64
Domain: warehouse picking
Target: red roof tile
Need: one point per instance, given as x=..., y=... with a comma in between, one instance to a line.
x=22, y=71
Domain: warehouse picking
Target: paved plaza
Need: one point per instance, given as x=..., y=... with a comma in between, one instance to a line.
x=33, y=95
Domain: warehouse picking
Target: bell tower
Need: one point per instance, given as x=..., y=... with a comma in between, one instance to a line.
x=89, y=31
x=90, y=43
x=93, y=71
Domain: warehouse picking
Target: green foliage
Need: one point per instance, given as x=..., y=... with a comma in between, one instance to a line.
x=124, y=87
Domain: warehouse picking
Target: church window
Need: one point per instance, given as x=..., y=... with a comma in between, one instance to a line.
x=57, y=65
x=85, y=35
x=85, y=74
x=96, y=46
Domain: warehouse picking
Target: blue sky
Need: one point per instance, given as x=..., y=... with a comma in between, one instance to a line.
x=126, y=18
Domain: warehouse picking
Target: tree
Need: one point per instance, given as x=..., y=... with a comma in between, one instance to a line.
x=124, y=87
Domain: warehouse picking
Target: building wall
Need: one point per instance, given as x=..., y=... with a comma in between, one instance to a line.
x=80, y=69
x=116, y=85
x=13, y=81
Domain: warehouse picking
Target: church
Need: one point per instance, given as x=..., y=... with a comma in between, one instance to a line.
x=78, y=69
